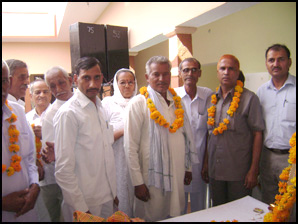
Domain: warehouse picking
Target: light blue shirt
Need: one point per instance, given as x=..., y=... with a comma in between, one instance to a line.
x=279, y=112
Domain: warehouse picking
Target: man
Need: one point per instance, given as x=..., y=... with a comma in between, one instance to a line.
x=41, y=97
x=19, y=183
x=159, y=154
x=278, y=101
x=85, y=166
x=59, y=82
x=19, y=80
x=235, y=127
x=195, y=100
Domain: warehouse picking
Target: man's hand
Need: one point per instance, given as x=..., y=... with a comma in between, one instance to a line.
x=30, y=199
x=14, y=201
x=40, y=170
x=37, y=131
x=48, y=153
x=116, y=201
x=251, y=179
x=142, y=192
x=187, y=178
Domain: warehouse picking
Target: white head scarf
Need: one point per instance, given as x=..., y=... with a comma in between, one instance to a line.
x=117, y=97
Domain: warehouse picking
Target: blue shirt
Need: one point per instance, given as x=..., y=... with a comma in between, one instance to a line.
x=279, y=112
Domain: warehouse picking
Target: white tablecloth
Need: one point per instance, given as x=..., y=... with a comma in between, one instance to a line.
x=241, y=210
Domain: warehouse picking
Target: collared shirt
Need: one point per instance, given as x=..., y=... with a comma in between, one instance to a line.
x=85, y=166
x=28, y=174
x=48, y=136
x=197, y=112
x=230, y=153
x=19, y=101
x=33, y=117
x=279, y=110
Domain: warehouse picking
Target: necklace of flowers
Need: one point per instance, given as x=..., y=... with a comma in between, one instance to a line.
x=13, y=133
x=284, y=201
x=156, y=115
x=232, y=109
x=38, y=146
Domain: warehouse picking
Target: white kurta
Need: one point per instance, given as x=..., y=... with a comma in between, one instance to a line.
x=85, y=166
x=137, y=149
x=197, y=112
x=125, y=191
x=28, y=174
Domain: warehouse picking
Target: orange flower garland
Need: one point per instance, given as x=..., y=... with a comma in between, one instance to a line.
x=156, y=115
x=232, y=109
x=38, y=146
x=287, y=197
x=13, y=133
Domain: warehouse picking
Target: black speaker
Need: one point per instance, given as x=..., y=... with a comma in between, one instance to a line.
x=88, y=40
x=117, y=49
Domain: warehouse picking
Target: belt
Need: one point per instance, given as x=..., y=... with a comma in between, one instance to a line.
x=278, y=151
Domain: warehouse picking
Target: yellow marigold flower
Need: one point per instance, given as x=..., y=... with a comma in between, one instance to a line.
x=230, y=112
x=143, y=90
x=14, y=148
x=268, y=217
x=211, y=109
x=154, y=115
x=172, y=91
x=239, y=83
x=179, y=111
x=211, y=114
x=152, y=109
x=292, y=141
x=293, y=181
x=146, y=95
x=10, y=171
x=215, y=131
x=3, y=167
x=239, y=89
x=226, y=121
x=149, y=101
x=213, y=99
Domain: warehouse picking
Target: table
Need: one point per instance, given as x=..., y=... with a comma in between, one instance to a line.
x=241, y=210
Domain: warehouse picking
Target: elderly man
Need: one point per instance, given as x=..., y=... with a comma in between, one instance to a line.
x=20, y=187
x=195, y=100
x=85, y=166
x=278, y=101
x=19, y=80
x=235, y=125
x=59, y=82
x=159, y=145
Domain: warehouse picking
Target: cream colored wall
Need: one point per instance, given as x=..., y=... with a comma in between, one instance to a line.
x=39, y=56
x=247, y=35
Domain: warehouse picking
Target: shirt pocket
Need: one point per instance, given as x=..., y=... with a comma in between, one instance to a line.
x=24, y=144
x=289, y=113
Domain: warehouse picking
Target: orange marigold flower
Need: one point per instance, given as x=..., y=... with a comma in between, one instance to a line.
x=237, y=94
x=143, y=90
x=215, y=131
x=155, y=115
x=239, y=89
x=226, y=121
x=16, y=158
x=172, y=91
x=12, y=118
x=239, y=83
x=3, y=167
x=14, y=148
x=16, y=166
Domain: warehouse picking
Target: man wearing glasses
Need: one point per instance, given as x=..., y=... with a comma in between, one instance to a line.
x=194, y=98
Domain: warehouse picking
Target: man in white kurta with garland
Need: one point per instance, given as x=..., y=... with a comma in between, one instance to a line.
x=159, y=146
x=20, y=187
x=85, y=166
x=195, y=100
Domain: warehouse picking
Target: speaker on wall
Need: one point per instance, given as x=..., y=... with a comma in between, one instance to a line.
x=109, y=44
x=88, y=40
x=117, y=49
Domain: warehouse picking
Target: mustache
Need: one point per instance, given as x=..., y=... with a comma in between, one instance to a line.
x=58, y=94
x=93, y=89
x=24, y=86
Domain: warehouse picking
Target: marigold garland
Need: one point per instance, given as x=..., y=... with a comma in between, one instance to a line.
x=38, y=146
x=232, y=109
x=156, y=115
x=287, y=197
x=13, y=133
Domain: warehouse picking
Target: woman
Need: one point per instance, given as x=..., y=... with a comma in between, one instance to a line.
x=125, y=87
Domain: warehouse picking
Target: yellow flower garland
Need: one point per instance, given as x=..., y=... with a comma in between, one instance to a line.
x=232, y=109
x=156, y=115
x=13, y=133
x=287, y=197
x=38, y=146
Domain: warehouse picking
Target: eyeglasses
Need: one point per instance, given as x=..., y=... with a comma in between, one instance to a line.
x=186, y=70
x=130, y=83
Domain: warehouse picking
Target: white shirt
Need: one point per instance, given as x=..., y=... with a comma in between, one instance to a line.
x=48, y=136
x=28, y=174
x=196, y=110
x=279, y=112
x=85, y=167
x=19, y=101
x=33, y=117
